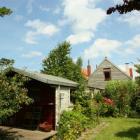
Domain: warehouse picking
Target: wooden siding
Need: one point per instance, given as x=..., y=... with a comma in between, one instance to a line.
x=97, y=79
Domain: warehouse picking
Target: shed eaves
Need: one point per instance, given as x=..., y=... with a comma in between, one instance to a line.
x=45, y=78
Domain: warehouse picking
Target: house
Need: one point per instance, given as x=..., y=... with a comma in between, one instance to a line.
x=105, y=72
x=51, y=95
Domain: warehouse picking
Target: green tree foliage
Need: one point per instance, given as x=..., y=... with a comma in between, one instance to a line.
x=121, y=92
x=59, y=63
x=127, y=6
x=13, y=94
x=138, y=71
x=136, y=98
x=5, y=11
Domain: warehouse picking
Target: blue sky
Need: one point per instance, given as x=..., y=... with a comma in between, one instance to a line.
x=37, y=26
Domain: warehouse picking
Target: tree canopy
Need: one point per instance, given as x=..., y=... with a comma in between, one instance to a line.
x=59, y=63
x=5, y=11
x=137, y=66
x=13, y=93
x=127, y=6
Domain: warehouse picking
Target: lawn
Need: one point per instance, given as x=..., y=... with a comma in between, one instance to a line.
x=119, y=129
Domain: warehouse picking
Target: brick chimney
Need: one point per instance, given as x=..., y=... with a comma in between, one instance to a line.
x=88, y=69
x=131, y=72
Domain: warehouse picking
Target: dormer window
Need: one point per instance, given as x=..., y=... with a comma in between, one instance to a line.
x=107, y=74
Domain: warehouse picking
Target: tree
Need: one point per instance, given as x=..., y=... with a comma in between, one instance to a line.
x=136, y=98
x=5, y=11
x=138, y=71
x=13, y=93
x=59, y=63
x=127, y=6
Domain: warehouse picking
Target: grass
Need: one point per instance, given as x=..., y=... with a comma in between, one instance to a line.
x=119, y=129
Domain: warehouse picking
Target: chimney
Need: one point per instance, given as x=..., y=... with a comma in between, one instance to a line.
x=131, y=72
x=88, y=69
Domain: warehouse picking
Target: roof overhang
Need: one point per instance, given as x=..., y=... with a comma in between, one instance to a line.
x=48, y=79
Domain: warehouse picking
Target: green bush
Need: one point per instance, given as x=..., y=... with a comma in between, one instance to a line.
x=121, y=92
x=71, y=125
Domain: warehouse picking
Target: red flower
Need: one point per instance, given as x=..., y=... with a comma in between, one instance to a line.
x=108, y=101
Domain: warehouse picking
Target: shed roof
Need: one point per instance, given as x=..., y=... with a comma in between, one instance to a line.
x=45, y=78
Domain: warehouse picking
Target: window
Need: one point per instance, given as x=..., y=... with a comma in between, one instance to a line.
x=107, y=74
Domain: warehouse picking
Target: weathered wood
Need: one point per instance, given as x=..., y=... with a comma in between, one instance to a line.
x=97, y=79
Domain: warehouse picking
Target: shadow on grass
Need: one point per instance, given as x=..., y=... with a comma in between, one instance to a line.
x=8, y=134
x=133, y=132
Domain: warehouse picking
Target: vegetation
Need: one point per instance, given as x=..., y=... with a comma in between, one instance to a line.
x=119, y=128
x=116, y=101
x=121, y=92
x=72, y=124
x=5, y=11
x=59, y=63
x=136, y=98
x=13, y=94
x=127, y=6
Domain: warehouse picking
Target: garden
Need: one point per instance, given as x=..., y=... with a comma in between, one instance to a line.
x=120, y=100
x=116, y=109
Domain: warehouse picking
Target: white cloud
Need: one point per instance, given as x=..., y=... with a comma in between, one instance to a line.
x=32, y=54
x=134, y=43
x=101, y=47
x=80, y=37
x=131, y=18
x=104, y=47
x=30, y=37
x=30, y=6
x=39, y=28
x=83, y=15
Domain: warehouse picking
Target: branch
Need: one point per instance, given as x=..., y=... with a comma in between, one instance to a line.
x=127, y=6
x=5, y=11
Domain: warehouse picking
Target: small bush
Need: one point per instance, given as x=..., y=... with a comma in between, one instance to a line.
x=71, y=125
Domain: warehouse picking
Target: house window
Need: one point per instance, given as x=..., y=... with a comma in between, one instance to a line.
x=107, y=74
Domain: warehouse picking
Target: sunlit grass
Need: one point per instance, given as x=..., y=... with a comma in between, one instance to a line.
x=120, y=129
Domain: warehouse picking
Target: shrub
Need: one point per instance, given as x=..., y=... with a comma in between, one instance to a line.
x=71, y=124
x=121, y=92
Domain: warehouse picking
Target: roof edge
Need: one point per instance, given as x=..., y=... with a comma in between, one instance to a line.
x=33, y=75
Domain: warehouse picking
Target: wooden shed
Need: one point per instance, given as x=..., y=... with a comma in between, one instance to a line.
x=51, y=95
x=105, y=72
